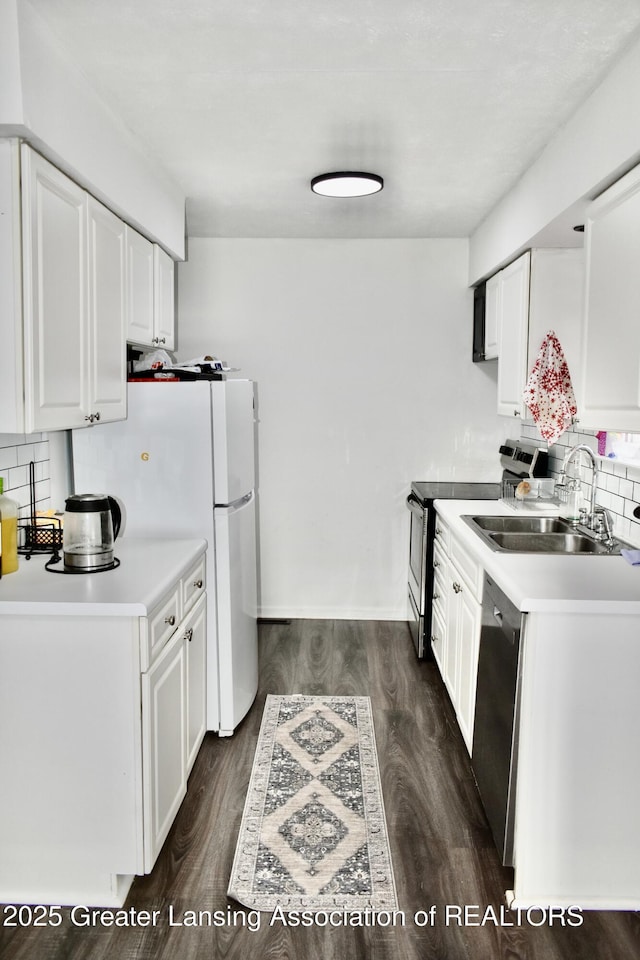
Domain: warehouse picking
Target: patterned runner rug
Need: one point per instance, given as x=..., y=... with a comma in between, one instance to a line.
x=313, y=834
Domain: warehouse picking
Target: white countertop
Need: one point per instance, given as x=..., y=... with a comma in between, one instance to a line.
x=546, y=582
x=148, y=568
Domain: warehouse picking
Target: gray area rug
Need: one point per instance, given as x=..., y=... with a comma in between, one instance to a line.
x=313, y=834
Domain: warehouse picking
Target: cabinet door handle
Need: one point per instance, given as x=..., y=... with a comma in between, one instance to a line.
x=97, y=415
x=436, y=563
x=197, y=584
x=170, y=620
x=436, y=596
x=456, y=587
x=90, y=418
x=189, y=634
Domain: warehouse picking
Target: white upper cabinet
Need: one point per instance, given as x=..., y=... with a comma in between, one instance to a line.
x=163, y=299
x=107, y=313
x=139, y=288
x=513, y=327
x=151, y=293
x=540, y=291
x=65, y=321
x=55, y=259
x=74, y=308
x=610, y=396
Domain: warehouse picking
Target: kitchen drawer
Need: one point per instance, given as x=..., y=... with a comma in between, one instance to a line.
x=193, y=585
x=468, y=568
x=159, y=626
x=442, y=534
x=439, y=596
x=440, y=558
x=438, y=639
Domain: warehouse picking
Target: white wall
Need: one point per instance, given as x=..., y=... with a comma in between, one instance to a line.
x=362, y=354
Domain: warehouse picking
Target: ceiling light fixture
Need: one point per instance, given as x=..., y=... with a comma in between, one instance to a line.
x=347, y=183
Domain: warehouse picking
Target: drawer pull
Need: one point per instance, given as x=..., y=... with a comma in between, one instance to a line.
x=456, y=588
x=189, y=634
x=197, y=584
x=170, y=620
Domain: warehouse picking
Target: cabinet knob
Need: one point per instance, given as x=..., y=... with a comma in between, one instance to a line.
x=97, y=415
x=158, y=340
x=197, y=584
x=90, y=418
x=436, y=563
x=170, y=620
x=456, y=587
x=436, y=596
x=434, y=639
x=516, y=413
x=189, y=634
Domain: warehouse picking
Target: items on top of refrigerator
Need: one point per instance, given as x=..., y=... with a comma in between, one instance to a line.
x=158, y=364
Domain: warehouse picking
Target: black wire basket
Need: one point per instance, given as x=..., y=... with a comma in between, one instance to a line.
x=39, y=534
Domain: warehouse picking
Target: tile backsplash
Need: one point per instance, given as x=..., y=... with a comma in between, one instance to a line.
x=16, y=452
x=618, y=487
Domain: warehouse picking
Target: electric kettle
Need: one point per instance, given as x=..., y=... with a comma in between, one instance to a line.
x=91, y=524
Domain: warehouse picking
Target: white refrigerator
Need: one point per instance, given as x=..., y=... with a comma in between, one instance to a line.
x=182, y=465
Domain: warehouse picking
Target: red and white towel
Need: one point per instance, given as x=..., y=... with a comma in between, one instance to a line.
x=548, y=393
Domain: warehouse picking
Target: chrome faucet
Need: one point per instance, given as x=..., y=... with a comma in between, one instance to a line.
x=583, y=448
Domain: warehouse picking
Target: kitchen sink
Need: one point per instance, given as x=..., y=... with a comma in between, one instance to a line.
x=539, y=535
x=523, y=524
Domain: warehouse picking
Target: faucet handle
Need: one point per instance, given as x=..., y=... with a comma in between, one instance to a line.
x=602, y=524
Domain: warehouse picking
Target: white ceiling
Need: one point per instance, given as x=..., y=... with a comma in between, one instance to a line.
x=243, y=101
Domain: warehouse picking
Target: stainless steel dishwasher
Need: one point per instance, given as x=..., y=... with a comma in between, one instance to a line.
x=494, y=755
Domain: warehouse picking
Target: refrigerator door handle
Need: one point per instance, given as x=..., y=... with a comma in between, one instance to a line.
x=240, y=502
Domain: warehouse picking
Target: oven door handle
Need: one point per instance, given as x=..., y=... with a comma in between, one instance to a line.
x=415, y=505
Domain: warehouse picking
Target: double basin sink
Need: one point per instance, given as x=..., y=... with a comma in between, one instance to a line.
x=539, y=535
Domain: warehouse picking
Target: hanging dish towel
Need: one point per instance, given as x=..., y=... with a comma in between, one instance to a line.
x=548, y=393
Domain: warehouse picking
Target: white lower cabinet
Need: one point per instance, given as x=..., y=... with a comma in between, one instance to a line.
x=457, y=614
x=173, y=727
x=107, y=714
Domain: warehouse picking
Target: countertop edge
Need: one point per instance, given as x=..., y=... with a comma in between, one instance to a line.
x=597, y=585
x=149, y=569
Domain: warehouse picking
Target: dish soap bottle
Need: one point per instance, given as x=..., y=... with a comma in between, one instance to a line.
x=8, y=533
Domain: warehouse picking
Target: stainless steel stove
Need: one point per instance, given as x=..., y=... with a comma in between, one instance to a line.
x=518, y=459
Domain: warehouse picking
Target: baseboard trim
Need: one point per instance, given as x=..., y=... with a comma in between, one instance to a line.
x=328, y=613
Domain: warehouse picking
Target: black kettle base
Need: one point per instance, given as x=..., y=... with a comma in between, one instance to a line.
x=50, y=565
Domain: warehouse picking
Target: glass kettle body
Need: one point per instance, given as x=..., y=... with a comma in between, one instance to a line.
x=91, y=525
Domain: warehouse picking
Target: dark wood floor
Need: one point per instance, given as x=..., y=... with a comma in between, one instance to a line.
x=441, y=847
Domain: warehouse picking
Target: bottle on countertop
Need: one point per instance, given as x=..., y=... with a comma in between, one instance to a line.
x=570, y=509
x=8, y=533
